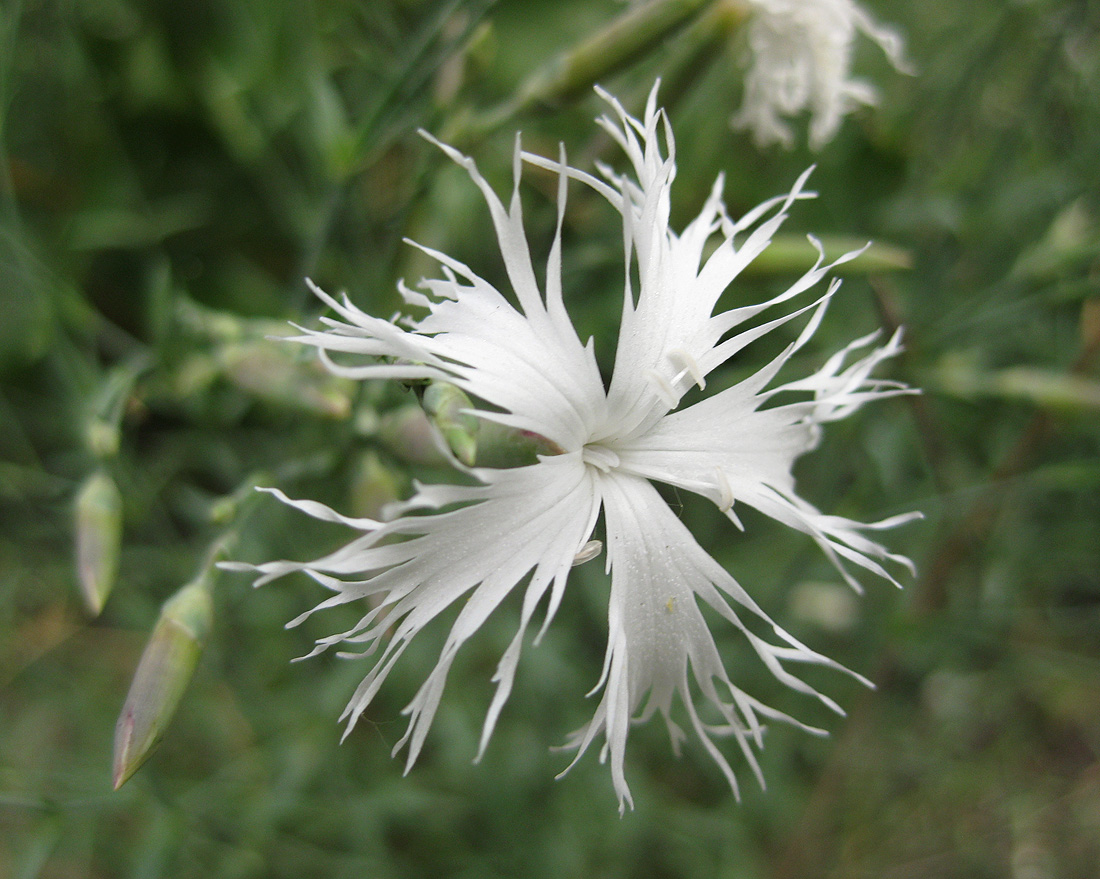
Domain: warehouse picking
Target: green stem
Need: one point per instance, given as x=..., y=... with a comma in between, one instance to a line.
x=576, y=70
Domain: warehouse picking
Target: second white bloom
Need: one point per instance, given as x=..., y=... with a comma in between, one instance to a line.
x=801, y=57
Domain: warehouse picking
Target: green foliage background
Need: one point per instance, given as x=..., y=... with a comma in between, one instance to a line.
x=170, y=173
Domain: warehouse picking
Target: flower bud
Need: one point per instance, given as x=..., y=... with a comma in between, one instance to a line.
x=98, y=517
x=103, y=438
x=162, y=675
x=407, y=434
x=503, y=447
x=275, y=373
x=448, y=408
x=372, y=487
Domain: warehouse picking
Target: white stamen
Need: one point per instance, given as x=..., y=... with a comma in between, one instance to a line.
x=689, y=363
x=725, y=491
x=664, y=390
x=588, y=552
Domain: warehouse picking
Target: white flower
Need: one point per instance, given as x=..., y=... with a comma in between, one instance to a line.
x=801, y=57
x=521, y=359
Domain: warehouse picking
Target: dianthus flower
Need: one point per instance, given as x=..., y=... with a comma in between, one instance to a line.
x=801, y=52
x=523, y=363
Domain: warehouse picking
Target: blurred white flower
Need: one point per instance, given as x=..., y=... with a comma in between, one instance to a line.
x=520, y=358
x=801, y=52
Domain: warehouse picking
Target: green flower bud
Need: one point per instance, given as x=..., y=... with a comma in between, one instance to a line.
x=103, y=438
x=274, y=372
x=448, y=408
x=500, y=446
x=373, y=486
x=162, y=675
x=98, y=517
x=407, y=434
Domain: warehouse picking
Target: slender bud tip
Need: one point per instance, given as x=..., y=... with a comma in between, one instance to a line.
x=163, y=673
x=98, y=516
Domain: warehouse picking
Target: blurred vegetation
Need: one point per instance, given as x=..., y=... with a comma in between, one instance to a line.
x=169, y=174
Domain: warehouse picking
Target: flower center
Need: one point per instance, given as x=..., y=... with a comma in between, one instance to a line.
x=600, y=457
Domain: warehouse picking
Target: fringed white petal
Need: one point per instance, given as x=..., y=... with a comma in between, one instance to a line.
x=670, y=338
x=657, y=634
x=529, y=522
x=526, y=361
x=730, y=450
